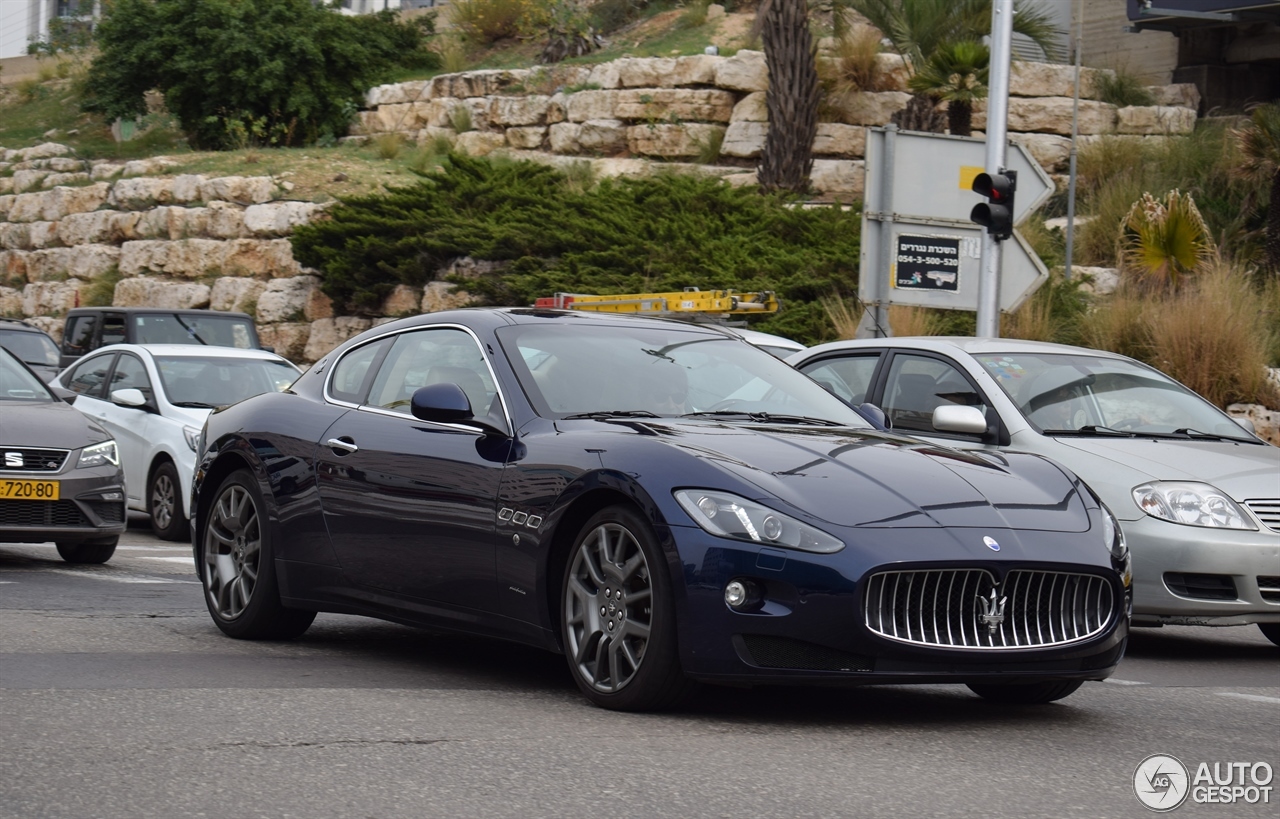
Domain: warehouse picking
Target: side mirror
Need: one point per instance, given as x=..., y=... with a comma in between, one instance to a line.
x=64, y=394
x=442, y=403
x=957, y=418
x=875, y=415
x=129, y=397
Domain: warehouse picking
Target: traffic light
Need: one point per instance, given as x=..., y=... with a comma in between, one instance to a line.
x=996, y=215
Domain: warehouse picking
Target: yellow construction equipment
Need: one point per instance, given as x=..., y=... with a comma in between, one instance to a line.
x=691, y=300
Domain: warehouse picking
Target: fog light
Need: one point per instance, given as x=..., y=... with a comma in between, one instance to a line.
x=741, y=595
x=112, y=496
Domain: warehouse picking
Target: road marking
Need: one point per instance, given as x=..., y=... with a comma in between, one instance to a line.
x=190, y=561
x=1114, y=681
x=115, y=576
x=1251, y=697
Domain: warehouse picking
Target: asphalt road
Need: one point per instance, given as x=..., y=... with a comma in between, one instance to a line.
x=119, y=698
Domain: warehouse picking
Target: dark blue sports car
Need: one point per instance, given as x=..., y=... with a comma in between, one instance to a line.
x=661, y=502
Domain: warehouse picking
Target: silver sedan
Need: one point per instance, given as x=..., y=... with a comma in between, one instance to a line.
x=1197, y=494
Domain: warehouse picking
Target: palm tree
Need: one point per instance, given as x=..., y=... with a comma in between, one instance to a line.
x=1259, y=142
x=792, y=98
x=956, y=73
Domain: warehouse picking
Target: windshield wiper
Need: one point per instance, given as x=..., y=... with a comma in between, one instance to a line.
x=614, y=414
x=1208, y=436
x=765, y=417
x=187, y=327
x=1093, y=430
x=194, y=404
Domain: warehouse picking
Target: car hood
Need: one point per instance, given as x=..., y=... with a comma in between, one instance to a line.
x=55, y=425
x=1243, y=471
x=865, y=478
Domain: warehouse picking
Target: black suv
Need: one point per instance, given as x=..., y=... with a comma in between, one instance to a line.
x=32, y=346
x=88, y=328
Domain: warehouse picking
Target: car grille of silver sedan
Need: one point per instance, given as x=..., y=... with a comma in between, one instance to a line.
x=1268, y=511
x=966, y=608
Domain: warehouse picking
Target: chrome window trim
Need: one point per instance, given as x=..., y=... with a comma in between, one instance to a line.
x=497, y=385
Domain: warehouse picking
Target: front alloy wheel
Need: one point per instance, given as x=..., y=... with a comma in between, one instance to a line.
x=165, y=504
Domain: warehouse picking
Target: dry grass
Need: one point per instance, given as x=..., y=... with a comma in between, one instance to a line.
x=843, y=316
x=1116, y=324
x=914, y=321
x=388, y=146
x=1033, y=321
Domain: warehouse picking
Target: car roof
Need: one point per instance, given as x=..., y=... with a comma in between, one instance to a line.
x=964, y=344
x=186, y=311
x=190, y=351
x=20, y=326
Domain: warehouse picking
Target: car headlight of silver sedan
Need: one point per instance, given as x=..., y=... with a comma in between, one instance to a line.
x=727, y=515
x=1191, y=503
x=99, y=454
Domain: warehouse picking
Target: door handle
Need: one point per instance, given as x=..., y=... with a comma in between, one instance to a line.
x=344, y=443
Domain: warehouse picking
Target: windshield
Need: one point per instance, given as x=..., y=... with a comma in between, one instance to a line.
x=181, y=328
x=660, y=371
x=1067, y=393
x=192, y=381
x=33, y=348
x=18, y=384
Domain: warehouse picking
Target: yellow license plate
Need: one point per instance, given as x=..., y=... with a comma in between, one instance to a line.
x=28, y=490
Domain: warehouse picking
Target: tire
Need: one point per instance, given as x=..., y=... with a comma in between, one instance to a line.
x=625, y=658
x=238, y=569
x=164, y=504
x=89, y=551
x=1271, y=631
x=1026, y=693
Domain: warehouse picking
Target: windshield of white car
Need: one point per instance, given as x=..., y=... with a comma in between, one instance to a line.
x=18, y=384
x=196, y=381
x=32, y=348
x=1083, y=395
x=587, y=369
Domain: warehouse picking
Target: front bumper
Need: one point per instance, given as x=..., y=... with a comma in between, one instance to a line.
x=85, y=510
x=1192, y=575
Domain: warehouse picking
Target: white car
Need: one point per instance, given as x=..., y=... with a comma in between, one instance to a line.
x=155, y=405
x=1197, y=494
x=777, y=346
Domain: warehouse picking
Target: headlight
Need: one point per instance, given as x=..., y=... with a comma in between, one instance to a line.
x=1194, y=504
x=726, y=515
x=99, y=454
x=193, y=438
x=1113, y=539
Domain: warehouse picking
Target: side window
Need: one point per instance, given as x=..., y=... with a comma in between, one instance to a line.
x=350, y=377
x=78, y=337
x=918, y=385
x=90, y=377
x=847, y=377
x=113, y=330
x=424, y=357
x=131, y=374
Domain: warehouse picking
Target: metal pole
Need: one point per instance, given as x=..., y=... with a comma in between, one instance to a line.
x=1075, y=128
x=997, y=142
x=880, y=306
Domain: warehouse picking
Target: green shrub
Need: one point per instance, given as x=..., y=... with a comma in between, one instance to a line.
x=281, y=71
x=1121, y=88
x=487, y=21
x=620, y=236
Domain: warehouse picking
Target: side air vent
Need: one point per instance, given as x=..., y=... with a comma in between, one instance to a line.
x=781, y=652
x=1201, y=586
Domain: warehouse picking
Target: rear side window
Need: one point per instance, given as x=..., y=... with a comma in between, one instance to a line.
x=113, y=329
x=349, y=381
x=90, y=377
x=77, y=339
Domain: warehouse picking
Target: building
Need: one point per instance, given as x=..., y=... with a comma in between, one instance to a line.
x=23, y=22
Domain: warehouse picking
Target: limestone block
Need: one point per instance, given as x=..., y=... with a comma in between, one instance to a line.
x=142, y=167
x=318, y=306
x=603, y=136
x=1028, y=79
x=160, y=223
x=187, y=257
x=55, y=179
x=235, y=293
x=239, y=189
x=479, y=143
x=477, y=83
x=431, y=133
x=15, y=235
x=688, y=105
x=1266, y=423
x=868, y=107
x=10, y=301
x=50, y=298
x=404, y=300
x=145, y=291
x=6, y=184
x=43, y=234
x=843, y=177
x=13, y=269
x=286, y=299
x=751, y=108
x=395, y=92
x=645, y=72
x=266, y=258
x=365, y=122
x=141, y=193
x=741, y=180
x=528, y=137
x=437, y=296
x=84, y=228
x=564, y=137
x=26, y=207
x=556, y=108
x=615, y=168
x=6, y=202
x=687, y=139
x=106, y=170
x=835, y=139
x=1052, y=115
x=278, y=218
x=1184, y=95
x=28, y=180
x=328, y=333
x=567, y=76
x=288, y=339
x=1155, y=119
x=223, y=220
x=744, y=139
x=891, y=72
x=479, y=108
x=585, y=105
x=188, y=188
x=42, y=151
x=1100, y=281
x=83, y=262
x=59, y=202
x=518, y=111
x=1052, y=152
x=744, y=71
x=435, y=113
x=398, y=117
x=50, y=324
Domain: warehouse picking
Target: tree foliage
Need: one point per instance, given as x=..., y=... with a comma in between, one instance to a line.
x=622, y=236
x=956, y=73
x=792, y=98
x=281, y=72
x=1259, y=142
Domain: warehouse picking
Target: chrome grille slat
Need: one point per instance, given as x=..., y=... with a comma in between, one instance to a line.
x=1267, y=510
x=1042, y=608
x=34, y=459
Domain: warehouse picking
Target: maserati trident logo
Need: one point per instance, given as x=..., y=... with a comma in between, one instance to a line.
x=13, y=459
x=992, y=611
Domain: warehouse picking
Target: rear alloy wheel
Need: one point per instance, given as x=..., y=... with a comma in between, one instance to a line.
x=89, y=551
x=618, y=617
x=164, y=502
x=1025, y=693
x=238, y=570
x=1271, y=631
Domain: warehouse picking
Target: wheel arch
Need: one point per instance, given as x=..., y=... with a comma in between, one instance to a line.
x=227, y=463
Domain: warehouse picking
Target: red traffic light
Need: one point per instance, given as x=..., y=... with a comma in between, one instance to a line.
x=996, y=187
x=997, y=214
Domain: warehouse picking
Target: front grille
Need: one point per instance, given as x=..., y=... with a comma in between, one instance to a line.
x=781, y=652
x=1269, y=587
x=27, y=459
x=955, y=608
x=108, y=511
x=1268, y=511
x=1201, y=586
x=62, y=513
